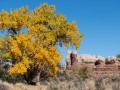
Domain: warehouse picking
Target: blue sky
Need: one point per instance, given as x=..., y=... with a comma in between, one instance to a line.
x=99, y=20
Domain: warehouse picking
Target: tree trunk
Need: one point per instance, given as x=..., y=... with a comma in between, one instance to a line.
x=32, y=76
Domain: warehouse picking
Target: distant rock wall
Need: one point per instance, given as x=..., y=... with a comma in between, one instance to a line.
x=98, y=64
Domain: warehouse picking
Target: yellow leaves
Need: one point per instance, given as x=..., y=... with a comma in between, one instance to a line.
x=26, y=61
x=1, y=42
x=21, y=67
x=19, y=44
x=50, y=28
x=59, y=18
x=15, y=50
x=54, y=54
x=14, y=46
x=18, y=68
x=6, y=55
x=52, y=70
x=16, y=19
x=50, y=55
x=40, y=52
x=3, y=18
x=32, y=29
x=44, y=9
x=22, y=37
x=1, y=46
x=20, y=16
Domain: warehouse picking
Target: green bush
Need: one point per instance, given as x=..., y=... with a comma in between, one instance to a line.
x=83, y=72
x=118, y=56
x=5, y=76
x=75, y=74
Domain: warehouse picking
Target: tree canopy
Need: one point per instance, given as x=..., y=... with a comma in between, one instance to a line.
x=36, y=48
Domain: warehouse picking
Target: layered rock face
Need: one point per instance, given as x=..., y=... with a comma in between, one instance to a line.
x=89, y=58
x=75, y=60
x=110, y=60
x=98, y=64
x=118, y=62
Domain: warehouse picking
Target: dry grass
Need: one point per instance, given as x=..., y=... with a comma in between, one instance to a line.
x=20, y=86
x=72, y=85
x=99, y=83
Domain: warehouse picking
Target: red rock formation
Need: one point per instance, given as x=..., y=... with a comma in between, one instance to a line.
x=71, y=59
x=98, y=65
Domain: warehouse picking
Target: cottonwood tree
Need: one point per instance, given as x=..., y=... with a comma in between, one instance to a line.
x=35, y=50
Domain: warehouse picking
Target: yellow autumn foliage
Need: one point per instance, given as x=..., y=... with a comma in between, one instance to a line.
x=37, y=47
x=21, y=67
x=17, y=18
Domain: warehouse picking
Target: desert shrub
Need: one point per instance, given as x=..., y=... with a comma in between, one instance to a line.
x=69, y=75
x=2, y=71
x=113, y=82
x=118, y=55
x=75, y=79
x=115, y=78
x=75, y=73
x=83, y=72
x=99, y=83
x=107, y=82
x=65, y=85
x=91, y=83
x=72, y=85
x=13, y=78
x=5, y=76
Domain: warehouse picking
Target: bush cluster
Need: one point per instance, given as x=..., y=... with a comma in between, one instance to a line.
x=5, y=76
